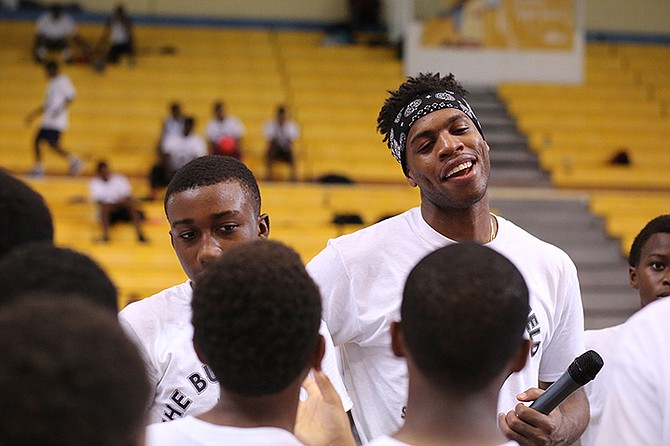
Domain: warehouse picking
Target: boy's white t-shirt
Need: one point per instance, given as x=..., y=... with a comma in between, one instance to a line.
x=191, y=431
x=183, y=149
x=229, y=126
x=605, y=342
x=60, y=92
x=361, y=277
x=55, y=28
x=161, y=327
x=637, y=410
x=389, y=441
x=116, y=188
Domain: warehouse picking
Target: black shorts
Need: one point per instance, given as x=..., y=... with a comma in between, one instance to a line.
x=50, y=135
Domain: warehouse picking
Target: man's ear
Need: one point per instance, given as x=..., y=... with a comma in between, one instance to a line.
x=409, y=178
x=318, y=353
x=520, y=357
x=632, y=277
x=397, y=340
x=264, y=226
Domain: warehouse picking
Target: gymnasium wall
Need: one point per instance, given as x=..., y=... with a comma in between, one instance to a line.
x=612, y=16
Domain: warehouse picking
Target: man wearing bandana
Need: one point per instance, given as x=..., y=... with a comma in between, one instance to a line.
x=436, y=137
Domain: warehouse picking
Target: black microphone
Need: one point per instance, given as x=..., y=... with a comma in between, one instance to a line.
x=582, y=370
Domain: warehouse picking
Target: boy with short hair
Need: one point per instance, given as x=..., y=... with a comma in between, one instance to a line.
x=649, y=273
x=462, y=334
x=261, y=337
x=212, y=204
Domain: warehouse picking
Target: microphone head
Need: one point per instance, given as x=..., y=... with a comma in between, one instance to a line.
x=585, y=367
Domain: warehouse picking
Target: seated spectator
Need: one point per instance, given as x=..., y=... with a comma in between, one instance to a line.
x=280, y=133
x=39, y=268
x=176, y=151
x=224, y=133
x=117, y=37
x=114, y=196
x=173, y=124
x=56, y=30
x=69, y=376
x=24, y=215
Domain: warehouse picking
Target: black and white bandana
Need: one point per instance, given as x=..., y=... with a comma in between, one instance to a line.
x=420, y=107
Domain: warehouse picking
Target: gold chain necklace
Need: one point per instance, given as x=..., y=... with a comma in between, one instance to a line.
x=494, y=228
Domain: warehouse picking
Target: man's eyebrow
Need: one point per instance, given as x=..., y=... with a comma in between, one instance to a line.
x=215, y=216
x=427, y=133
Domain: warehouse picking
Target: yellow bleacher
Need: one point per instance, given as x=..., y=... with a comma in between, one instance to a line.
x=623, y=105
x=301, y=215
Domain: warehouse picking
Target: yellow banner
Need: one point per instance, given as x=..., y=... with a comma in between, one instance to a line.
x=503, y=24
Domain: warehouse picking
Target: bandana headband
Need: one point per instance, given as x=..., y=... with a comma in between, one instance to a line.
x=420, y=107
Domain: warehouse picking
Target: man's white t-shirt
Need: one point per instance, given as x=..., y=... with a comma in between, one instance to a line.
x=161, y=327
x=605, y=342
x=361, y=277
x=117, y=188
x=284, y=134
x=60, y=92
x=389, y=441
x=229, y=126
x=637, y=410
x=191, y=431
x=55, y=28
x=183, y=149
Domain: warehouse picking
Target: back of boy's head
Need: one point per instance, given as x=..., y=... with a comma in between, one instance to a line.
x=463, y=315
x=24, y=216
x=44, y=268
x=69, y=376
x=660, y=224
x=214, y=169
x=256, y=317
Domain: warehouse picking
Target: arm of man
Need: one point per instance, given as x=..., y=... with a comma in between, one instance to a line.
x=562, y=426
x=33, y=114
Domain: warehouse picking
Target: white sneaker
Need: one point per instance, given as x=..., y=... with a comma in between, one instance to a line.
x=76, y=166
x=37, y=171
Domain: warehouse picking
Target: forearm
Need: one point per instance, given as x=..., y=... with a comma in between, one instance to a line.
x=575, y=411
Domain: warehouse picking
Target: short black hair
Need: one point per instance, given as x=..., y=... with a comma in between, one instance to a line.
x=256, y=317
x=658, y=224
x=414, y=86
x=24, y=215
x=41, y=267
x=69, y=376
x=463, y=314
x=214, y=169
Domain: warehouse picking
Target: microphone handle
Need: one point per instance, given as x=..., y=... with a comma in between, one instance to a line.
x=555, y=394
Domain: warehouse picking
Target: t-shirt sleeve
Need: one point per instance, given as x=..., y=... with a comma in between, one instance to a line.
x=125, y=188
x=567, y=340
x=68, y=89
x=330, y=368
x=95, y=190
x=152, y=372
x=339, y=306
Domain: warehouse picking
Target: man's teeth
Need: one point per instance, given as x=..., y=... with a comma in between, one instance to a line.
x=462, y=166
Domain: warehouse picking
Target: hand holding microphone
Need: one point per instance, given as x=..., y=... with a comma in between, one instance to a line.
x=582, y=370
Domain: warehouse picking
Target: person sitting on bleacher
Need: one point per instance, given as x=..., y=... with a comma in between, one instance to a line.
x=55, y=30
x=280, y=134
x=224, y=133
x=114, y=196
x=177, y=149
